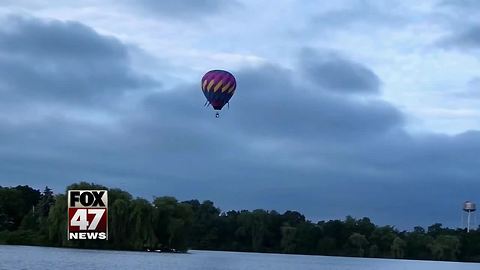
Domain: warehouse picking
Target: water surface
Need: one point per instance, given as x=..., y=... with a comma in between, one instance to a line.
x=27, y=257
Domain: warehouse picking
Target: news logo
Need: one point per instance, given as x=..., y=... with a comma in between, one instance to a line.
x=87, y=214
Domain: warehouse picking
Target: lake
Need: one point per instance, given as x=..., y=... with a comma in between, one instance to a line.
x=27, y=257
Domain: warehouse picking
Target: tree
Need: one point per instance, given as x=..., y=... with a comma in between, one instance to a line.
x=445, y=247
x=119, y=223
x=171, y=223
x=373, y=251
x=57, y=222
x=204, y=233
x=140, y=219
x=293, y=217
x=288, y=244
x=418, y=244
x=46, y=201
x=383, y=238
x=358, y=242
x=398, y=248
x=163, y=210
x=179, y=226
x=336, y=229
x=306, y=238
x=167, y=224
x=15, y=203
x=435, y=229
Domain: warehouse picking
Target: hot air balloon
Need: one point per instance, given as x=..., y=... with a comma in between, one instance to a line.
x=218, y=86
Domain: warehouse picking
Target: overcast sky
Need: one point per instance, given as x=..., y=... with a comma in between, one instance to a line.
x=362, y=108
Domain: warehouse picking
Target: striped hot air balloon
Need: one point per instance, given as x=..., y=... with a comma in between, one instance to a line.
x=218, y=86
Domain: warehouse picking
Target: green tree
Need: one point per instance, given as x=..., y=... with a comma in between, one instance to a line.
x=373, y=251
x=306, y=237
x=30, y=217
x=141, y=215
x=435, y=229
x=398, y=248
x=445, y=247
x=288, y=244
x=163, y=210
x=57, y=222
x=204, y=233
x=336, y=229
x=359, y=242
x=46, y=201
x=258, y=227
x=119, y=227
x=418, y=244
x=179, y=226
x=383, y=238
x=15, y=203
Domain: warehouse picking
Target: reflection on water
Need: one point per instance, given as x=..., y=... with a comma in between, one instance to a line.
x=26, y=257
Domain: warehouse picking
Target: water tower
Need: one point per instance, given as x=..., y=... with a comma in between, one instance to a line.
x=468, y=209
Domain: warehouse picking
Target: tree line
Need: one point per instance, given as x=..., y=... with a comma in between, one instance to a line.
x=31, y=217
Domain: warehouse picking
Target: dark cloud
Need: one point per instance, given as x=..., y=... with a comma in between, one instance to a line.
x=468, y=38
x=461, y=19
x=186, y=9
x=334, y=73
x=283, y=108
x=286, y=142
x=282, y=145
x=363, y=14
x=57, y=39
x=474, y=83
x=460, y=4
x=172, y=145
x=471, y=90
x=63, y=61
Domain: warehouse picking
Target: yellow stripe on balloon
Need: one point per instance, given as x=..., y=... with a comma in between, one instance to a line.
x=210, y=84
x=231, y=89
x=204, y=85
x=219, y=84
x=226, y=87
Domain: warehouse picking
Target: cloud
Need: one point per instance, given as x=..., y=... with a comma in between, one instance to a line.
x=336, y=74
x=368, y=14
x=184, y=10
x=282, y=139
x=468, y=38
x=460, y=4
x=469, y=92
x=462, y=23
x=65, y=62
x=316, y=137
x=279, y=138
x=474, y=83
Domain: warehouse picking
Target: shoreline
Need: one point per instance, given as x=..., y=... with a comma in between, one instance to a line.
x=192, y=251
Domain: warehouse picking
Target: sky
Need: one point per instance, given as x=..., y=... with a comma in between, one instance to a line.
x=362, y=108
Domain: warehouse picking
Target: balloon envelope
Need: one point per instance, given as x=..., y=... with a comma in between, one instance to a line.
x=218, y=86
